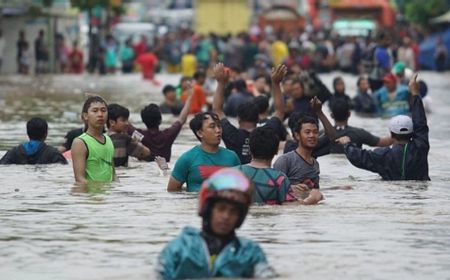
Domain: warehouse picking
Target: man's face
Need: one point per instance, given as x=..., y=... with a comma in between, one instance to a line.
x=224, y=217
x=120, y=125
x=171, y=96
x=390, y=85
x=260, y=84
x=308, y=136
x=211, y=132
x=363, y=86
x=297, y=90
x=287, y=87
x=96, y=115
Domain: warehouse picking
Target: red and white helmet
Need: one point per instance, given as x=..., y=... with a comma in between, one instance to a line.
x=226, y=184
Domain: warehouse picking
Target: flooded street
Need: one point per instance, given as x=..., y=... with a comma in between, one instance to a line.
x=51, y=230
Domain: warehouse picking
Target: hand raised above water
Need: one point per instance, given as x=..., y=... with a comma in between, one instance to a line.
x=221, y=73
x=278, y=73
x=316, y=105
x=413, y=85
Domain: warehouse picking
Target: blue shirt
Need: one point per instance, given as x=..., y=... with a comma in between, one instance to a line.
x=187, y=256
x=398, y=106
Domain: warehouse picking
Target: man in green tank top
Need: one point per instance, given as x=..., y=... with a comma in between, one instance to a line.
x=93, y=151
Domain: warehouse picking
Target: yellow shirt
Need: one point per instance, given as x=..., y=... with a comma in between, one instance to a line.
x=188, y=65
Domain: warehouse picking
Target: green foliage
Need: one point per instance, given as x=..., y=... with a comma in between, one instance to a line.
x=420, y=11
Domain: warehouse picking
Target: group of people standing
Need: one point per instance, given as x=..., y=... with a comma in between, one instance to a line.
x=67, y=60
x=229, y=179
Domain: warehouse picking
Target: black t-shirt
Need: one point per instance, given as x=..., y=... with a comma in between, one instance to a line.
x=358, y=136
x=70, y=136
x=237, y=139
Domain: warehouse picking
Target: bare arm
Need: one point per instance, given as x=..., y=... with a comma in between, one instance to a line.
x=385, y=141
x=222, y=77
x=329, y=129
x=187, y=106
x=79, y=155
x=174, y=185
x=277, y=76
x=143, y=151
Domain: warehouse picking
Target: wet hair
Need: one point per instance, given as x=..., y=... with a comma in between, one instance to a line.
x=263, y=143
x=37, y=129
x=240, y=85
x=90, y=100
x=197, y=122
x=305, y=119
x=340, y=109
x=248, y=112
x=167, y=89
x=151, y=116
x=116, y=111
x=401, y=137
x=294, y=118
x=262, y=102
x=360, y=79
x=199, y=74
x=297, y=81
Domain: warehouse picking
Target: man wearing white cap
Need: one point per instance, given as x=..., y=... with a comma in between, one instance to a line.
x=407, y=158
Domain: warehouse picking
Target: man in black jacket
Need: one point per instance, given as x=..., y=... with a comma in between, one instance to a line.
x=34, y=151
x=407, y=159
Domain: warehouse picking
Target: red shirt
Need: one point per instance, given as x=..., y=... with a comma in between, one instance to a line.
x=148, y=61
x=76, y=61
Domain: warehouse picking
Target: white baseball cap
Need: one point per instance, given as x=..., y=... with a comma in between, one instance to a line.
x=401, y=124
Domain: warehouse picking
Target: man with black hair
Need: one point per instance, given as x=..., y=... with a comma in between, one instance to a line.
x=198, y=94
x=382, y=61
x=160, y=141
x=262, y=102
x=197, y=164
x=124, y=144
x=237, y=98
x=270, y=186
x=407, y=159
x=171, y=104
x=237, y=139
x=340, y=112
x=300, y=166
x=35, y=151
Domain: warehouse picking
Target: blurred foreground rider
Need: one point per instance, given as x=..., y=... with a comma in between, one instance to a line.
x=215, y=250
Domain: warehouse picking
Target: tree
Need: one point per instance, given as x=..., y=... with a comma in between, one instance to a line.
x=420, y=12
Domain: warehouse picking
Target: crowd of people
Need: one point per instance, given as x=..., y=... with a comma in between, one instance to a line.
x=183, y=50
x=229, y=179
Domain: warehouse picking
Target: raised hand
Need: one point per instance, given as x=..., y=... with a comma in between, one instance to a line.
x=278, y=73
x=221, y=74
x=316, y=105
x=413, y=85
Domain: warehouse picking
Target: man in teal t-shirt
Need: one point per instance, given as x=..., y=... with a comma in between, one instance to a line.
x=197, y=164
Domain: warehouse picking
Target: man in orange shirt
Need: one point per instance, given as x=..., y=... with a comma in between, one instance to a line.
x=198, y=95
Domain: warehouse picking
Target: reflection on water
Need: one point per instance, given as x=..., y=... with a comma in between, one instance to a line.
x=51, y=229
